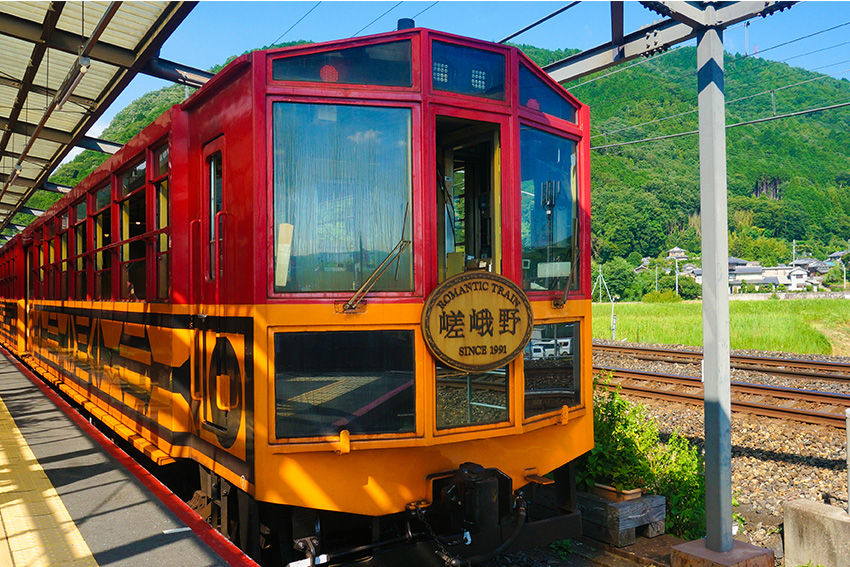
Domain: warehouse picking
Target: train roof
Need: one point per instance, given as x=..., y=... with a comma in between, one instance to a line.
x=159, y=128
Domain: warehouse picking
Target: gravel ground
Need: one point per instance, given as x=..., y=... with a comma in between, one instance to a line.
x=773, y=461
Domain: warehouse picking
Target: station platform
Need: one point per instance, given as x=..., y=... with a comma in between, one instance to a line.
x=70, y=497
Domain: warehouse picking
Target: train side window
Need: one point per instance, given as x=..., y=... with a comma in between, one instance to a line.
x=215, y=179
x=471, y=398
x=162, y=213
x=64, y=267
x=132, y=179
x=33, y=266
x=342, y=194
x=103, y=237
x=133, y=223
x=535, y=94
x=552, y=368
x=50, y=260
x=326, y=382
x=81, y=261
x=549, y=208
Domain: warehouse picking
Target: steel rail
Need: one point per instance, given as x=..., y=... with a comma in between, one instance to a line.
x=783, y=412
x=795, y=368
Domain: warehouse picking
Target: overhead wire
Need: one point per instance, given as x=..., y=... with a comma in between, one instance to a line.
x=694, y=110
x=815, y=51
x=790, y=42
x=610, y=101
x=296, y=23
x=693, y=73
x=425, y=10
x=746, y=123
x=540, y=21
x=378, y=18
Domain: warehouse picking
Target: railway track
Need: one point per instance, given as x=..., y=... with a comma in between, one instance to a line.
x=815, y=369
x=688, y=389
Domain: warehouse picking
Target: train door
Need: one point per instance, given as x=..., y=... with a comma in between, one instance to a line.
x=217, y=383
x=468, y=195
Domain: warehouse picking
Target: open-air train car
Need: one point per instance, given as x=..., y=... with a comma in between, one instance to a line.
x=351, y=281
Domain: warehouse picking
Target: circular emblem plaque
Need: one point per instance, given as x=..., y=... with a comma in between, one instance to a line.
x=477, y=321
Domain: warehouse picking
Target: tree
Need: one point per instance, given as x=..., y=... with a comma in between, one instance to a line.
x=619, y=276
x=835, y=276
x=688, y=287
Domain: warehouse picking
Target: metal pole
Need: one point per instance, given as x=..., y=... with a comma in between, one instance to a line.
x=715, y=307
x=602, y=279
x=677, y=275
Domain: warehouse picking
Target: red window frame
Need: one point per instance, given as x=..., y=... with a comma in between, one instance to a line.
x=417, y=201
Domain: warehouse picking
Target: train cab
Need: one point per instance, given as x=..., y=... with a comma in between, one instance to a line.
x=351, y=281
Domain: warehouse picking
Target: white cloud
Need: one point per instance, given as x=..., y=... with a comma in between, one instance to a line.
x=365, y=136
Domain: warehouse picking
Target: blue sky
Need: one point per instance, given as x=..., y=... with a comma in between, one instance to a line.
x=214, y=30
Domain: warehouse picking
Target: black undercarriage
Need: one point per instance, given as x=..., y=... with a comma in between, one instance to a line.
x=474, y=516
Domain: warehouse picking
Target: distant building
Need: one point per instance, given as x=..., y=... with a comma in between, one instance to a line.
x=814, y=267
x=677, y=254
x=797, y=278
x=779, y=272
x=644, y=265
x=749, y=274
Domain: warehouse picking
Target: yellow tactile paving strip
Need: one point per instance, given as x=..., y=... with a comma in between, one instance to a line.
x=35, y=528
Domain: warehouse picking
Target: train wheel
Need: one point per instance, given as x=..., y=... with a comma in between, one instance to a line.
x=233, y=512
x=276, y=535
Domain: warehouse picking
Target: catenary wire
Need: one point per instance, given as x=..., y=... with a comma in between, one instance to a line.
x=790, y=41
x=296, y=23
x=540, y=21
x=425, y=10
x=378, y=18
x=693, y=110
x=748, y=122
x=693, y=73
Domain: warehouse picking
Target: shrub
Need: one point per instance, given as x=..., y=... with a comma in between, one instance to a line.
x=628, y=453
x=661, y=297
x=623, y=437
x=678, y=475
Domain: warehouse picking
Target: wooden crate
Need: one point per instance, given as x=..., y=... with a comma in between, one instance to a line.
x=619, y=522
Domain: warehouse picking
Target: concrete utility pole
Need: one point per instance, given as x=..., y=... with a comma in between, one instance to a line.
x=715, y=278
x=706, y=22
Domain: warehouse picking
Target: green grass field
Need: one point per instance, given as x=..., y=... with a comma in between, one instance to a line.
x=806, y=326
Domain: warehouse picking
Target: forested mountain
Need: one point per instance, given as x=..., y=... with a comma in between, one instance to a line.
x=787, y=178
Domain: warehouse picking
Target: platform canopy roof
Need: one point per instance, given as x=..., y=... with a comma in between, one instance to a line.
x=61, y=65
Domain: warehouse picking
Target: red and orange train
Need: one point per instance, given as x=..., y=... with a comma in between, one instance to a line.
x=351, y=281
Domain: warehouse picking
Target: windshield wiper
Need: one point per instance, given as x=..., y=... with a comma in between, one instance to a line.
x=376, y=274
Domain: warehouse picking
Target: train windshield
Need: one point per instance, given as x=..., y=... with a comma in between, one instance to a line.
x=548, y=196
x=342, y=190
x=329, y=381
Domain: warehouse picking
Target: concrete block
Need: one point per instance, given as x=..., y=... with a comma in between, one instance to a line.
x=816, y=533
x=695, y=554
